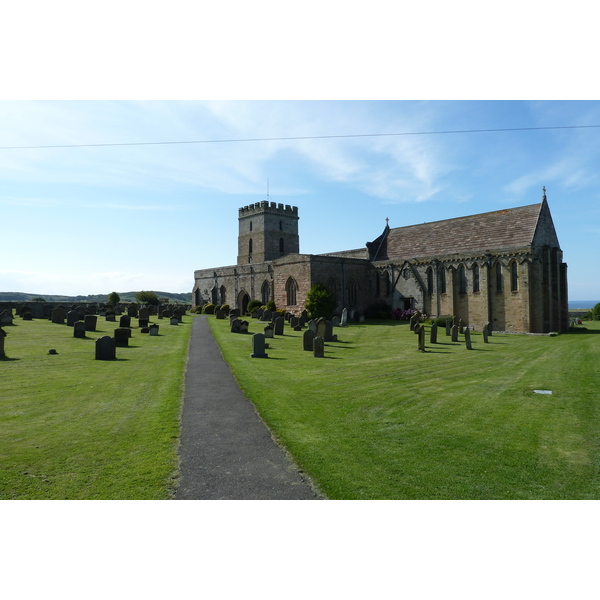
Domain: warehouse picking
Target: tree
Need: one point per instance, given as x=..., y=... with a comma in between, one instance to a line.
x=147, y=298
x=596, y=312
x=114, y=298
x=320, y=302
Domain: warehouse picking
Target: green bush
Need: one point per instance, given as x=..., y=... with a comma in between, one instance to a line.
x=225, y=309
x=320, y=302
x=208, y=309
x=271, y=305
x=596, y=312
x=254, y=305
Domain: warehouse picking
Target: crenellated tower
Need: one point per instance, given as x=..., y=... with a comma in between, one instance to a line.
x=267, y=231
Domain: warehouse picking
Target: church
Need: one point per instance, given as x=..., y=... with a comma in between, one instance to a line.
x=503, y=267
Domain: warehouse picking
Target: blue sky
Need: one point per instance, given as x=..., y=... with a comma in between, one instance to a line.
x=90, y=220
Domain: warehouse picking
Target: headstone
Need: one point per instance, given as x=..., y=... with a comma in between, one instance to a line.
x=267, y=315
x=27, y=316
x=329, y=337
x=421, y=334
x=485, y=334
x=259, y=314
x=58, y=315
x=144, y=313
x=414, y=321
x=455, y=321
x=335, y=322
x=258, y=346
x=321, y=328
x=269, y=330
x=468, y=338
x=90, y=322
x=244, y=326
x=279, y=323
x=236, y=325
x=6, y=317
x=307, y=340
x=294, y=322
x=2, y=336
x=79, y=329
x=106, y=348
x=297, y=328
x=344, y=320
x=143, y=323
x=220, y=314
x=125, y=321
x=153, y=329
x=110, y=317
x=122, y=335
x=448, y=327
x=254, y=314
x=488, y=326
x=318, y=347
x=303, y=319
x=72, y=316
x=173, y=321
x=433, y=334
x=312, y=325
x=454, y=333
x=461, y=327
x=132, y=310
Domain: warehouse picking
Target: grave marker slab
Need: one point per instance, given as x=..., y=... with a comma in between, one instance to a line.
x=279, y=325
x=106, y=348
x=90, y=322
x=122, y=335
x=258, y=346
x=79, y=329
x=307, y=340
x=318, y=347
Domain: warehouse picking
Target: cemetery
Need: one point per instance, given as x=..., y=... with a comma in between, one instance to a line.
x=369, y=409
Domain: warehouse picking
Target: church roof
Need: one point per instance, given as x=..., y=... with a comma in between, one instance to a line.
x=508, y=228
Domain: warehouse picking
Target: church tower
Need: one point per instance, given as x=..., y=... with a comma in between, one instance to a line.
x=267, y=231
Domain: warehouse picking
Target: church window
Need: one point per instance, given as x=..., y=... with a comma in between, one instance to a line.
x=290, y=290
x=442, y=280
x=280, y=225
x=353, y=293
x=462, y=280
x=250, y=225
x=377, y=284
x=249, y=246
x=475, y=278
x=265, y=292
x=281, y=245
x=332, y=287
x=498, y=277
x=430, y=281
x=514, y=276
x=223, y=292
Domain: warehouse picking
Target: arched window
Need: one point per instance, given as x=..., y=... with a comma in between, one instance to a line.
x=353, y=293
x=250, y=225
x=265, y=292
x=377, y=284
x=430, y=281
x=223, y=295
x=498, y=277
x=250, y=246
x=290, y=290
x=514, y=276
x=442, y=280
x=332, y=286
x=281, y=245
x=462, y=280
x=475, y=277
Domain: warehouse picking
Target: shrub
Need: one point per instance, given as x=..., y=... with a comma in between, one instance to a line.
x=596, y=312
x=225, y=309
x=208, y=309
x=320, y=302
x=254, y=305
x=271, y=305
x=196, y=310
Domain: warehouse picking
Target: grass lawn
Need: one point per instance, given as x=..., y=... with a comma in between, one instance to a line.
x=72, y=427
x=376, y=419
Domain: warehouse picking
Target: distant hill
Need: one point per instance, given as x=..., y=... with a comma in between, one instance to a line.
x=125, y=297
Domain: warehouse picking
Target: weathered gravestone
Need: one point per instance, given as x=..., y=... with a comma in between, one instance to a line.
x=106, y=348
x=344, y=320
x=220, y=314
x=279, y=324
x=312, y=325
x=2, y=336
x=244, y=326
x=132, y=310
x=90, y=322
x=254, y=314
x=258, y=346
x=321, y=328
x=125, y=321
x=294, y=322
x=269, y=330
x=433, y=334
x=307, y=340
x=448, y=327
x=420, y=331
x=6, y=317
x=153, y=329
x=79, y=329
x=485, y=335
x=236, y=325
x=58, y=315
x=335, y=321
x=468, y=339
x=143, y=323
x=329, y=337
x=173, y=321
x=72, y=316
x=122, y=335
x=318, y=347
x=454, y=333
x=267, y=316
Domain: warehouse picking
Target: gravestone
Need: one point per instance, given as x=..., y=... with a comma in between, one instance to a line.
x=106, y=348
x=321, y=328
x=122, y=335
x=335, y=322
x=27, y=316
x=258, y=346
x=269, y=330
x=244, y=326
x=90, y=322
x=6, y=317
x=234, y=313
x=145, y=330
x=72, y=316
x=344, y=320
x=448, y=327
x=132, y=310
x=173, y=321
x=153, y=329
x=329, y=337
x=307, y=340
x=267, y=316
x=414, y=321
x=318, y=347
x=254, y=314
x=79, y=329
x=421, y=333
x=488, y=326
x=294, y=321
x=433, y=334
x=144, y=313
x=125, y=321
x=220, y=314
x=303, y=319
x=468, y=339
x=259, y=314
x=2, y=336
x=312, y=325
x=143, y=323
x=455, y=333
x=485, y=335
x=455, y=321
x=461, y=327
x=58, y=315
x=110, y=317
x=279, y=324
x=236, y=325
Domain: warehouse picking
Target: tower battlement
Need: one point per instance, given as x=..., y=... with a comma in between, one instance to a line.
x=270, y=207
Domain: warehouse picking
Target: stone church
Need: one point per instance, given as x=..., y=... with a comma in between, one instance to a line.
x=504, y=267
